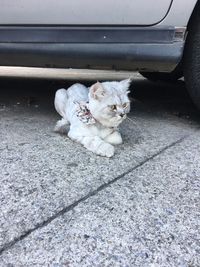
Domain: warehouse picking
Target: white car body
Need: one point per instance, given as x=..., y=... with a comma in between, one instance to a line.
x=90, y=12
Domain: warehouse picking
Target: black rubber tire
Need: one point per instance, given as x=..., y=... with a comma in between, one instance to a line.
x=192, y=58
x=164, y=76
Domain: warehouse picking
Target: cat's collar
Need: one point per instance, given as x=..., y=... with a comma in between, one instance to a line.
x=84, y=114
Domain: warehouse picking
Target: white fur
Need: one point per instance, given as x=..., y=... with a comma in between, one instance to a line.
x=101, y=136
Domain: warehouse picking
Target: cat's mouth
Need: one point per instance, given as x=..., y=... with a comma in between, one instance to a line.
x=121, y=117
x=112, y=121
x=115, y=121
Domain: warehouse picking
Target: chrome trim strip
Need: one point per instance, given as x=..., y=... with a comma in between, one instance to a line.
x=63, y=74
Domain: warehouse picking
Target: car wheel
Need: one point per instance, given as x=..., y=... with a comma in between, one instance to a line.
x=164, y=76
x=192, y=58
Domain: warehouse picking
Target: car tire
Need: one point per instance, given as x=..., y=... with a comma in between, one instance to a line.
x=192, y=58
x=173, y=76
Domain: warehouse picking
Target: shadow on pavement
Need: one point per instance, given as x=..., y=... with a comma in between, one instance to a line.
x=163, y=97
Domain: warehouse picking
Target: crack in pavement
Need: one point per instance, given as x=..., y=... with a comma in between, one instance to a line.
x=93, y=193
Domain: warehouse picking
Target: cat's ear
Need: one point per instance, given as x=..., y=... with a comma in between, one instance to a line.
x=125, y=84
x=97, y=91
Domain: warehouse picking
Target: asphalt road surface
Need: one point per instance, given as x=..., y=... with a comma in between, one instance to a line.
x=61, y=205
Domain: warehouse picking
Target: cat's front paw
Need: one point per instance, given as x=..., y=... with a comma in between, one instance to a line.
x=114, y=138
x=106, y=150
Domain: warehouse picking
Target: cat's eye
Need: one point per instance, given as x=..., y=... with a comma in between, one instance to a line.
x=125, y=105
x=113, y=107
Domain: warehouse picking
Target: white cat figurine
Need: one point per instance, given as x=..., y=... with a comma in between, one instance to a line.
x=94, y=114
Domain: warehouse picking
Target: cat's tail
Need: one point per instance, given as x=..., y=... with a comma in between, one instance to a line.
x=61, y=126
x=60, y=104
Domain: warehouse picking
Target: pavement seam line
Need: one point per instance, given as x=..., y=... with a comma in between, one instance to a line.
x=10, y=244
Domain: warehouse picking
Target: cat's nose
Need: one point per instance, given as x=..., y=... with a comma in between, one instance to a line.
x=122, y=115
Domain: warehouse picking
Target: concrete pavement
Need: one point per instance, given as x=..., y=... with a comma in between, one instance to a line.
x=63, y=206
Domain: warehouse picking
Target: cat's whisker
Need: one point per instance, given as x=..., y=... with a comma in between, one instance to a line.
x=131, y=120
x=138, y=127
